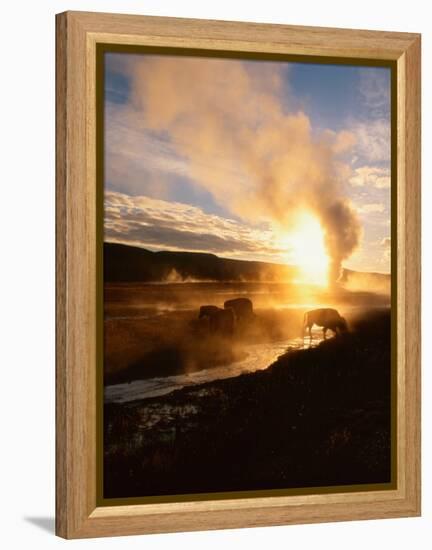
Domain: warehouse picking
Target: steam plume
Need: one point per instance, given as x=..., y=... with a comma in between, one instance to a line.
x=256, y=157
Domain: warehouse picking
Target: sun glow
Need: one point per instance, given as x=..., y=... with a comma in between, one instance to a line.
x=306, y=249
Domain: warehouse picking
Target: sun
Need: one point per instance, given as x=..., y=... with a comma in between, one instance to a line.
x=306, y=249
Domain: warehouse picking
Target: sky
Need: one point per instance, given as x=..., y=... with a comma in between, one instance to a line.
x=232, y=156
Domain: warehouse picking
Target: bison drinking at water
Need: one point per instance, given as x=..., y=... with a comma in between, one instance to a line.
x=326, y=318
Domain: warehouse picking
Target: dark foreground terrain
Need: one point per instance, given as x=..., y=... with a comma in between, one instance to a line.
x=316, y=417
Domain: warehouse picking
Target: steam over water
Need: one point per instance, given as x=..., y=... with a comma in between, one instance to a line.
x=260, y=356
x=152, y=313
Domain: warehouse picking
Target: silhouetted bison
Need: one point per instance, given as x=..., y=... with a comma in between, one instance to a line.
x=219, y=320
x=207, y=311
x=242, y=307
x=325, y=317
x=223, y=321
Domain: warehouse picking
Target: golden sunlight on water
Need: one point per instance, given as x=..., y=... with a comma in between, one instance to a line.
x=306, y=249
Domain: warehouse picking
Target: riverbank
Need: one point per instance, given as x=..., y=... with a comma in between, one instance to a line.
x=316, y=417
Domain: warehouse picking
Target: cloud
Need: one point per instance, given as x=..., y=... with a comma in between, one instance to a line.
x=386, y=256
x=372, y=208
x=371, y=176
x=134, y=155
x=158, y=224
x=340, y=142
x=375, y=91
x=373, y=143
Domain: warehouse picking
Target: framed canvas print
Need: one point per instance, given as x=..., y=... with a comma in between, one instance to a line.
x=238, y=274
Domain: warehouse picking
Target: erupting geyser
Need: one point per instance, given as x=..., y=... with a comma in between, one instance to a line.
x=257, y=156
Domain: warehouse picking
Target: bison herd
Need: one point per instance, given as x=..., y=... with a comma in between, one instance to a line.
x=239, y=311
x=224, y=320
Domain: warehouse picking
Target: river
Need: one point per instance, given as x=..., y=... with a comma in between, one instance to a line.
x=259, y=357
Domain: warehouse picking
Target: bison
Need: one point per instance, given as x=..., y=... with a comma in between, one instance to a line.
x=207, y=311
x=242, y=307
x=219, y=320
x=223, y=321
x=326, y=318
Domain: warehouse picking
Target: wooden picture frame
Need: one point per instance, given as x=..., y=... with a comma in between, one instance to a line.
x=77, y=294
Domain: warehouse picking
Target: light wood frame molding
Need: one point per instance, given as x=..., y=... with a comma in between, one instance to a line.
x=77, y=513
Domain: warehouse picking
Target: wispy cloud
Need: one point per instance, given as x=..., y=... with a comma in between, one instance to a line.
x=373, y=145
x=371, y=208
x=340, y=142
x=386, y=255
x=158, y=224
x=371, y=126
x=371, y=176
x=135, y=157
x=375, y=91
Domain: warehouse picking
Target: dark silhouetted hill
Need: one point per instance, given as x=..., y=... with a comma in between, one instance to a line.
x=124, y=263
